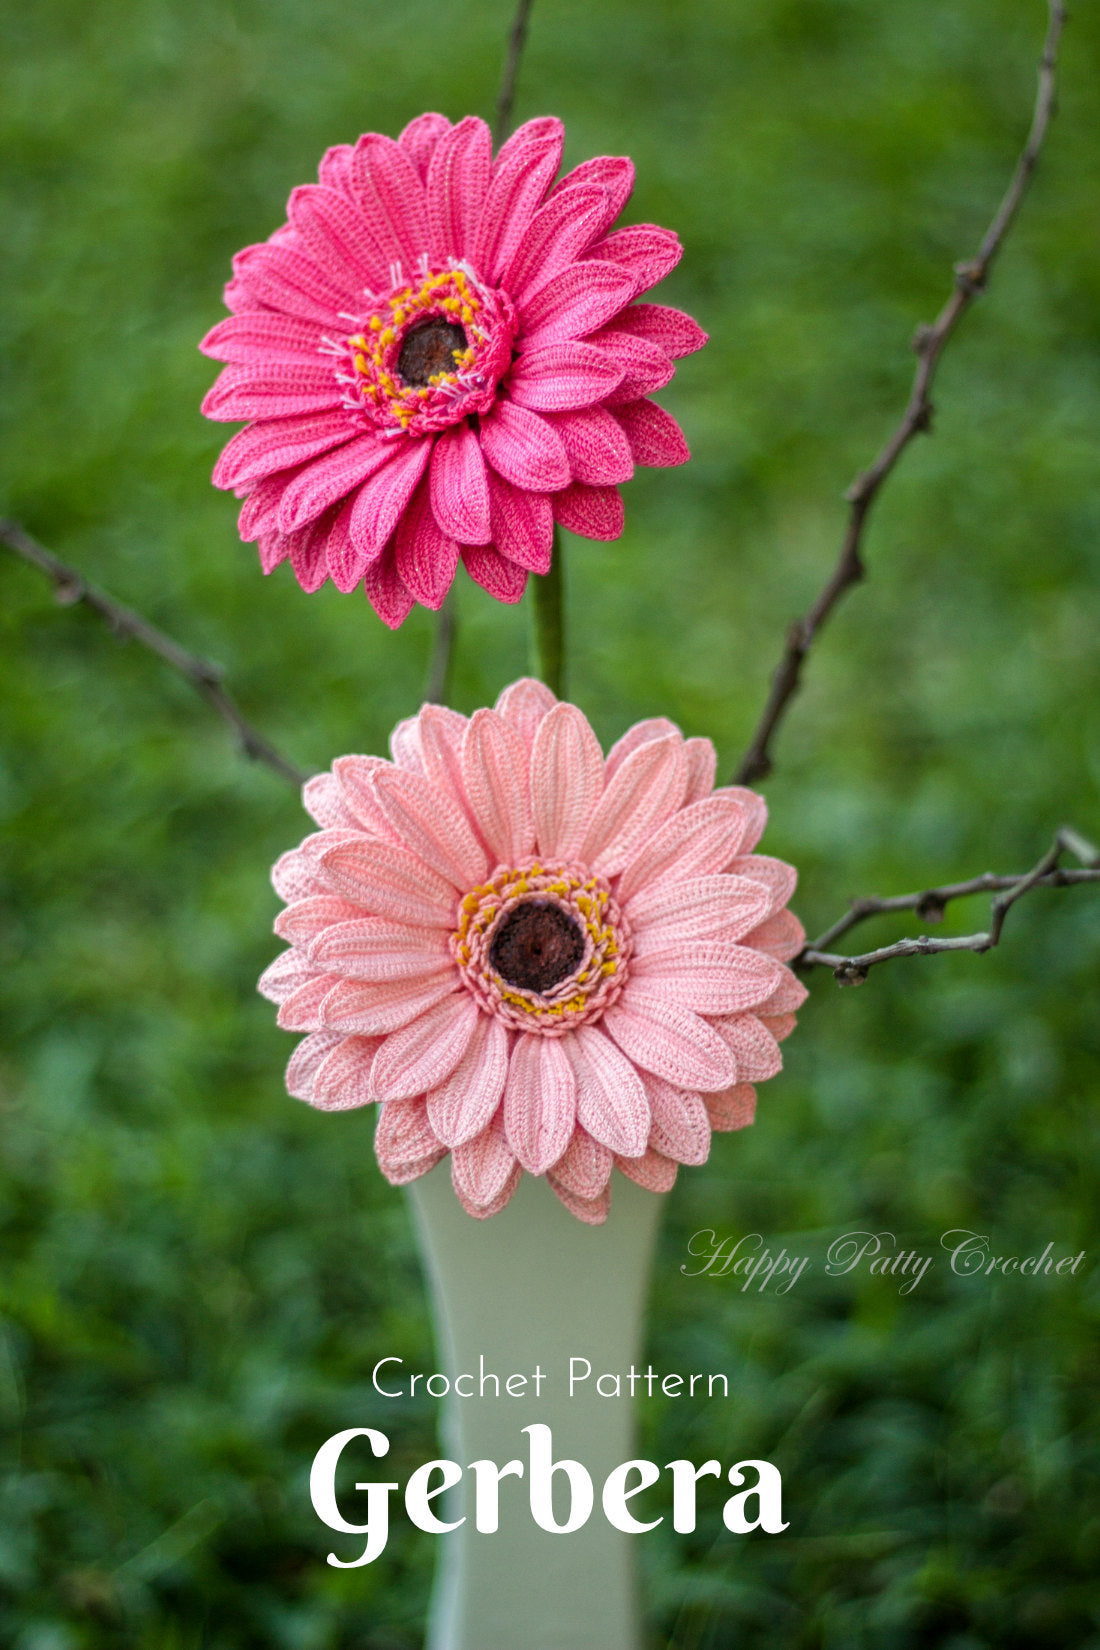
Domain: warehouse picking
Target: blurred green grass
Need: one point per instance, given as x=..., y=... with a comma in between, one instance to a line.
x=196, y=1273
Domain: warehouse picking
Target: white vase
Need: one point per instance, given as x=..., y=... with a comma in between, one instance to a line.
x=535, y=1287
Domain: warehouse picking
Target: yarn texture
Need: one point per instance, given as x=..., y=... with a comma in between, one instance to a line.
x=532, y=957
x=439, y=355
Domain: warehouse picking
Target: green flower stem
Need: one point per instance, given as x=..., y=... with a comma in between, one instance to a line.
x=548, y=622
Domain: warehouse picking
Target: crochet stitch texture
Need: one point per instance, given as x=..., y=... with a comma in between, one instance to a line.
x=532, y=957
x=439, y=356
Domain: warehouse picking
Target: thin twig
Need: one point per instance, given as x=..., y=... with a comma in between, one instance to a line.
x=971, y=278
x=506, y=96
x=933, y=902
x=71, y=587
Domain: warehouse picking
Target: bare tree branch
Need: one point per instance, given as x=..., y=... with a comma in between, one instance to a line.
x=933, y=902
x=71, y=587
x=929, y=343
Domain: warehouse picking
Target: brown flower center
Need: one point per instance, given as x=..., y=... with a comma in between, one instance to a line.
x=430, y=349
x=536, y=945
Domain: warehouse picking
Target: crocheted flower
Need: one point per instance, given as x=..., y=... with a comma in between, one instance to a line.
x=532, y=957
x=439, y=356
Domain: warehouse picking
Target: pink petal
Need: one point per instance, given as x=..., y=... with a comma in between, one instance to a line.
x=431, y=825
x=305, y=918
x=426, y=557
x=385, y=591
x=644, y=367
x=654, y=727
x=593, y=1211
x=261, y=507
x=788, y=995
x=708, y=976
x=295, y=876
x=539, y=1101
x=524, y=705
x=460, y=486
x=403, y=1141
x=500, y=577
x=555, y=238
x=681, y=1127
x=284, y=976
x=405, y=745
x=307, y=553
x=284, y=279
x=782, y=936
x=382, y=498
x=522, y=525
x=483, y=1211
x=584, y=1168
x=694, y=842
x=279, y=390
x=756, y=814
x=303, y=1009
x=441, y=734
x=389, y=881
x=391, y=198
x=278, y=443
x=670, y=329
x=579, y=299
x=305, y=1060
x=334, y=170
x=424, y=1053
x=559, y=377
x=702, y=765
x=614, y=174
x=780, y=1025
x=465, y=1103
x=524, y=169
x=329, y=479
x=372, y=1010
x=494, y=768
x=337, y=238
x=524, y=449
x=593, y=512
x=652, y=1171
x=342, y=1079
x=733, y=1109
x=567, y=772
x=379, y=949
x=482, y=1167
x=653, y=434
x=701, y=908
x=457, y=185
x=353, y=775
x=346, y=560
x=323, y=800
x=611, y=1102
x=646, y=250
x=641, y=795
x=260, y=334
x=598, y=452
x=668, y=1040
x=752, y=1046
x=273, y=550
x=777, y=877
x=419, y=140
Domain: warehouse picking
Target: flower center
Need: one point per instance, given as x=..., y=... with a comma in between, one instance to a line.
x=427, y=354
x=536, y=946
x=542, y=947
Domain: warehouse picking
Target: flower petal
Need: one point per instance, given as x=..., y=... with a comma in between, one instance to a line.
x=593, y=512
x=646, y=250
x=426, y=557
x=284, y=976
x=385, y=591
x=668, y=1040
x=259, y=333
x=372, y=1010
x=643, y=365
x=403, y=1141
x=305, y=918
x=539, y=1101
x=522, y=525
x=557, y=234
x=525, y=704
x=523, y=172
x=284, y=279
x=524, y=449
x=670, y=329
x=484, y=1211
x=694, y=842
x=735, y=1108
x=460, y=486
x=579, y=299
x=441, y=734
x=559, y=377
x=457, y=185
x=611, y=1102
x=302, y=1010
x=331, y=478
x=614, y=174
x=752, y=1046
x=718, y=907
x=709, y=977
x=584, y=1168
x=494, y=768
x=653, y=435
x=323, y=800
x=652, y=1171
x=680, y=1127
x=382, y=498
x=337, y=238
x=593, y=1211
x=567, y=772
x=653, y=727
x=641, y=795
x=278, y=443
x=702, y=765
x=500, y=577
x=429, y=823
x=342, y=1079
x=778, y=878
x=598, y=451
x=424, y=1053
x=464, y=1103
x=420, y=138
x=483, y=1166
x=378, y=949
x=280, y=390
x=756, y=814
x=788, y=995
x=390, y=196
x=782, y=936
x=389, y=881
x=306, y=1059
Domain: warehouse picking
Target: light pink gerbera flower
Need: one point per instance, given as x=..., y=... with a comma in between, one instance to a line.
x=439, y=356
x=532, y=957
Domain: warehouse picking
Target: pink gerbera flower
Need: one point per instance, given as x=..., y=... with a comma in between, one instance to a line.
x=532, y=957
x=439, y=356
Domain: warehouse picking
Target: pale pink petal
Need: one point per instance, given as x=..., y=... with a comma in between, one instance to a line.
x=372, y=1010
x=694, y=842
x=337, y=238
x=302, y=1010
x=643, y=793
x=651, y=1171
x=702, y=765
x=464, y=1104
x=482, y=1167
x=644, y=367
x=457, y=186
x=390, y=196
x=424, y=1053
x=614, y=174
x=494, y=769
x=593, y=512
x=306, y=1058
x=653, y=435
x=782, y=936
x=734, y=1108
x=441, y=733
x=496, y=574
x=342, y=1079
x=646, y=250
x=578, y=300
x=708, y=976
x=420, y=138
x=752, y=1046
x=777, y=877
x=426, y=557
x=524, y=449
x=654, y=727
x=592, y=1211
x=555, y=237
x=611, y=1102
x=287, y=974
x=525, y=704
x=698, y=908
x=673, y=331
x=433, y=826
x=555, y=378
x=403, y=1141
x=260, y=334
x=780, y=1025
x=277, y=391
x=522, y=525
x=307, y=917
x=484, y=1211
x=331, y=478
x=460, y=486
x=296, y=876
x=788, y=995
x=584, y=1168
x=680, y=1127
x=524, y=170
x=379, y=949
x=382, y=498
x=567, y=772
x=670, y=1041
x=598, y=452
x=539, y=1101
x=405, y=745
x=385, y=591
x=277, y=444
x=353, y=776
x=323, y=800
x=389, y=881
x=755, y=811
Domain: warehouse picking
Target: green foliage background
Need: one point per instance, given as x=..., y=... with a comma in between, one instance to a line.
x=197, y=1273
